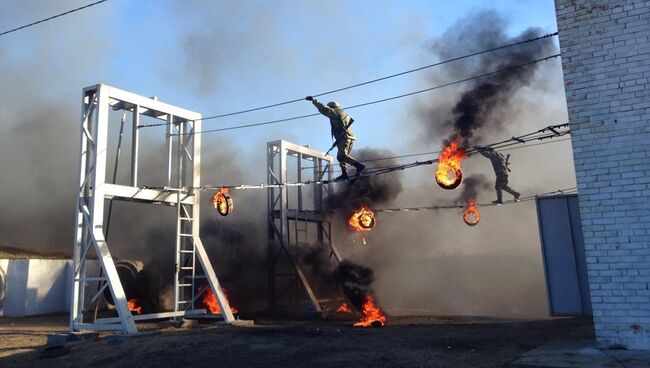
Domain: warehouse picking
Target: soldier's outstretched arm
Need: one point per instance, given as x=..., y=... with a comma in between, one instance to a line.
x=323, y=109
x=482, y=151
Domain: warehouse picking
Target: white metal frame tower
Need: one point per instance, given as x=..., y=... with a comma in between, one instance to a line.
x=182, y=170
x=290, y=216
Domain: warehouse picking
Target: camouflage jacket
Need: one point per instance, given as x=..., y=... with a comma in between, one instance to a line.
x=498, y=161
x=339, y=119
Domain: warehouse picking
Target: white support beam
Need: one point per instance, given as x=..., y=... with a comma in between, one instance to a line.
x=213, y=281
x=135, y=145
x=124, y=192
x=161, y=315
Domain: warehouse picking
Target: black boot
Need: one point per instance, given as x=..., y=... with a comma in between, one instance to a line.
x=360, y=167
x=343, y=176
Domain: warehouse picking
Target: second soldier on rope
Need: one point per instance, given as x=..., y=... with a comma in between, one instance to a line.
x=501, y=170
x=340, y=123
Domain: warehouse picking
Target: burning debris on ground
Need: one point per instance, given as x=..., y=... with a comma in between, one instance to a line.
x=210, y=301
x=344, y=308
x=134, y=306
x=372, y=314
x=355, y=282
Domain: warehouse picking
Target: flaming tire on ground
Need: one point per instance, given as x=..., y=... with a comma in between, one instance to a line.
x=372, y=314
x=211, y=303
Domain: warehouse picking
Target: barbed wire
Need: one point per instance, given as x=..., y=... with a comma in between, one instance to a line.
x=571, y=190
x=548, y=132
x=434, y=153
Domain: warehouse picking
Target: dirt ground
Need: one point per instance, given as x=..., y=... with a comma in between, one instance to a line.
x=407, y=341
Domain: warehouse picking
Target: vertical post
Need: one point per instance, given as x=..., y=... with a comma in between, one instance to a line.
x=270, y=207
x=196, y=176
x=284, y=195
x=168, y=149
x=97, y=211
x=87, y=106
x=318, y=195
x=135, y=143
x=299, y=202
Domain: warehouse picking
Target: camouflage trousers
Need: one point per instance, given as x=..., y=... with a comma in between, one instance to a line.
x=502, y=184
x=343, y=155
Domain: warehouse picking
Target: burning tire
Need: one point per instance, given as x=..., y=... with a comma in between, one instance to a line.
x=471, y=216
x=450, y=162
x=362, y=219
x=223, y=202
x=449, y=184
x=134, y=282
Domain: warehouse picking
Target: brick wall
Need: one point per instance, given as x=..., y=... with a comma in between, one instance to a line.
x=606, y=59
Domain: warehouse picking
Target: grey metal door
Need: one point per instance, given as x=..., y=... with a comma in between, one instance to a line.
x=564, y=255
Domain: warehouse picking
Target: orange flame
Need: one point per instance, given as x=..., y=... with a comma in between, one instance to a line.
x=134, y=306
x=362, y=219
x=344, y=308
x=372, y=315
x=223, y=202
x=471, y=216
x=211, y=302
x=450, y=162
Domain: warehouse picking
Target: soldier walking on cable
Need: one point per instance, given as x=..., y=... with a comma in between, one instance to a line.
x=340, y=123
x=501, y=170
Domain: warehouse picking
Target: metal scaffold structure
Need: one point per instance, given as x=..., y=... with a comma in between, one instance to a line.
x=296, y=220
x=182, y=168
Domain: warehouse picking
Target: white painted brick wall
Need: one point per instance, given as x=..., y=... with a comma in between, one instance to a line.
x=606, y=59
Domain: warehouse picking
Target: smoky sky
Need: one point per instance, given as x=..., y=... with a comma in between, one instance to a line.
x=419, y=260
x=483, y=103
x=472, y=185
x=373, y=191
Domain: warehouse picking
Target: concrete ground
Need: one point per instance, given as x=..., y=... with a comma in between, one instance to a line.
x=581, y=353
x=409, y=341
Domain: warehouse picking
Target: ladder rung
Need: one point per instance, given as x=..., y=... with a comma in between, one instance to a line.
x=187, y=218
x=184, y=285
x=186, y=251
x=181, y=234
x=183, y=301
x=187, y=268
x=90, y=279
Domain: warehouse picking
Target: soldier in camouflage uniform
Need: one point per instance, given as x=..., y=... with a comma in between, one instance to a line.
x=340, y=124
x=500, y=165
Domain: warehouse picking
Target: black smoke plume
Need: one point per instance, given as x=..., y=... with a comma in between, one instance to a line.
x=472, y=186
x=485, y=104
x=355, y=281
x=371, y=191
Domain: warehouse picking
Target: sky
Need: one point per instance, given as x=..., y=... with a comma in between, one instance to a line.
x=215, y=57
